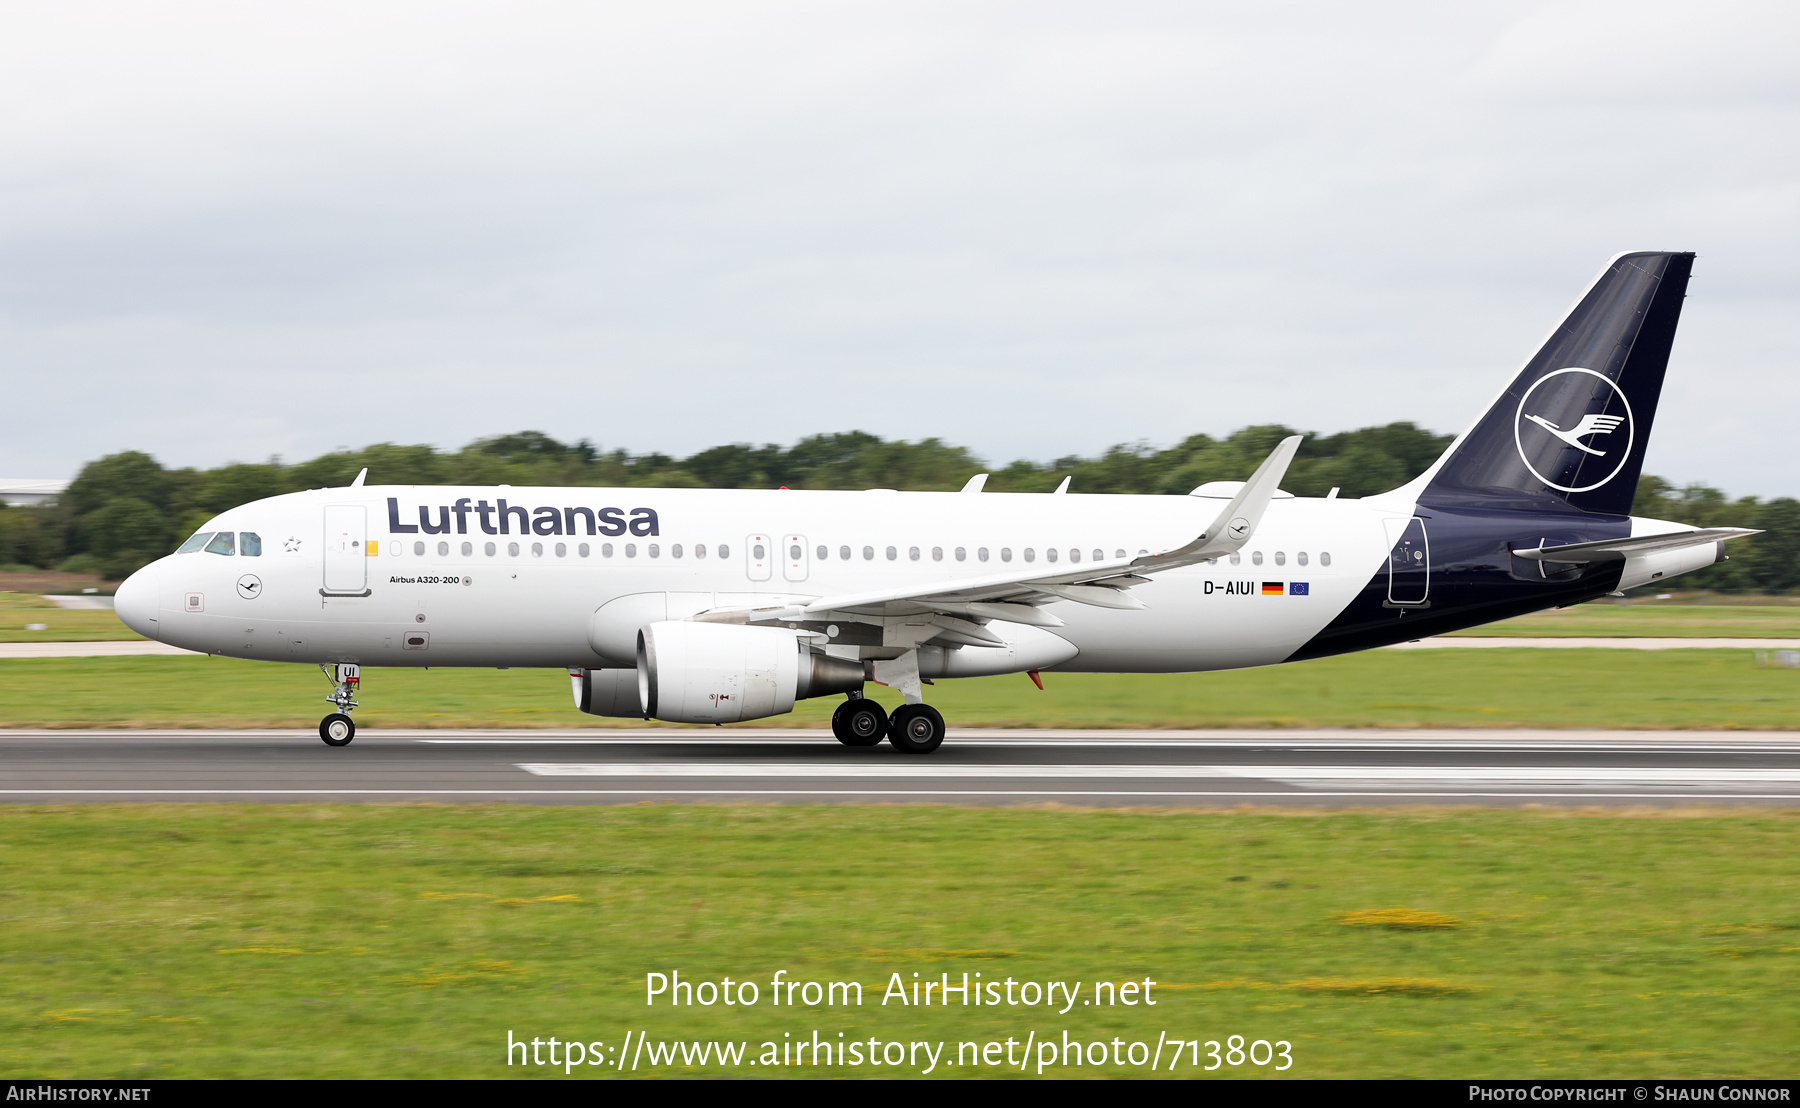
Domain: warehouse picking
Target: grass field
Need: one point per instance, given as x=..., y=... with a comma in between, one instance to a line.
x=1652, y=621
x=1694, y=689
x=302, y=941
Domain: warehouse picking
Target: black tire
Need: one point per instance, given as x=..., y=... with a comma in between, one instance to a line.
x=916, y=729
x=337, y=729
x=859, y=723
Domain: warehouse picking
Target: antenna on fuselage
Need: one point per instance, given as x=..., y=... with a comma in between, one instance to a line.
x=357, y=484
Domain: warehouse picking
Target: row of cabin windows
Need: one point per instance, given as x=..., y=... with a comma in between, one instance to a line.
x=823, y=553
x=561, y=550
x=961, y=554
x=247, y=543
x=1256, y=558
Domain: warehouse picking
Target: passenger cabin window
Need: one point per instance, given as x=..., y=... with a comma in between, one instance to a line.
x=962, y=554
x=1074, y=555
x=1324, y=558
x=1235, y=557
x=824, y=553
x=488, y=548
x=606, y=550
x=1300, y=557
x=982, y=554
x=1099, y=555
x=844, y=553
x=224, y=542
x=892, y=553
x=724, y=551
x=937, y=553
x=1118, y=553
x=1049, y=555
x=468, y=548
x=418, y=548
x=912, y=553
x=631, y=550
x=197, y=541
x=562, y=550
x=512, y=549
x=249, y=544
x=699, y=550
x=1281, y=557
x=1006, y=553
x=443, y=549
x=1030, y=554
x=1256, y=558
x=582, y=550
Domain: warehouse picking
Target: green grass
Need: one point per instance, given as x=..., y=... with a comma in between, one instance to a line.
x=1652, y=621
x=1502, y=687
x=385, y=941
x=63, y=625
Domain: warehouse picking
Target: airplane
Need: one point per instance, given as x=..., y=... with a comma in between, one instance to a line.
x=717, y=606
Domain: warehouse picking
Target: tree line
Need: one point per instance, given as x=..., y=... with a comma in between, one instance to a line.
x=124, y=510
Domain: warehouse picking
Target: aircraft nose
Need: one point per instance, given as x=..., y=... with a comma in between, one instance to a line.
x=135, y=602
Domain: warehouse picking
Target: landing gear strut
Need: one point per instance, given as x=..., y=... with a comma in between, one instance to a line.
x=337, y=729
x=859, y=722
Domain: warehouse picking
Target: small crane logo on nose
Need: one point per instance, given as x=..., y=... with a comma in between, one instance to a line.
x=249, y=586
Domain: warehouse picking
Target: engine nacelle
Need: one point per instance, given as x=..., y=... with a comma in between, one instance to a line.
x=607, y=692
x=724, y=673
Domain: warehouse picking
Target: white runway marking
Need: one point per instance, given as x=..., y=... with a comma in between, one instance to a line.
x=1299, y=776
x=948, y=793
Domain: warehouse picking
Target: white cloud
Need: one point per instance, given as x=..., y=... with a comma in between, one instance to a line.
x=228, y=231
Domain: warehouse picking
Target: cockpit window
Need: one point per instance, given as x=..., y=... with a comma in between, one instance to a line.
x=222, y=543
x=250, y=544
x=195, y=543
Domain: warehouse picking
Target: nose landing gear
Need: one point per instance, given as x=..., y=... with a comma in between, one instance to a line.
x=337, y=729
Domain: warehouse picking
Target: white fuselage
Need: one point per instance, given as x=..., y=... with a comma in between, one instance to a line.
x=445, y=600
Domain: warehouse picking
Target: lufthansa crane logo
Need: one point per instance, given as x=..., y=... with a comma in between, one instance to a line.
x=1555, y=414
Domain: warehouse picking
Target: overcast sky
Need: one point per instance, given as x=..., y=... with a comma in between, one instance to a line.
x=230, y=231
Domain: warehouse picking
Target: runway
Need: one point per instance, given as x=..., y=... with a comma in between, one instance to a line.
x=1083, y=768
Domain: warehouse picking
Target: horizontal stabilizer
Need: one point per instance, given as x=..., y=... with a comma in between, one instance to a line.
x=1617, y=550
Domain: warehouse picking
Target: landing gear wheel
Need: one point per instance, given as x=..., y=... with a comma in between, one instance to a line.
x=337, y=729
x=859, y=723
x=916, y=729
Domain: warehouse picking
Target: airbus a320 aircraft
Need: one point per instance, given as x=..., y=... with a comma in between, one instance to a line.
x=714, y=606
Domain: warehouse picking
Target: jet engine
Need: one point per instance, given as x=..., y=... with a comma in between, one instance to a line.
x=723, y=673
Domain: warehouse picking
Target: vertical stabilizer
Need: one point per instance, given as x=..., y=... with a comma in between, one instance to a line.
x=1572, y=427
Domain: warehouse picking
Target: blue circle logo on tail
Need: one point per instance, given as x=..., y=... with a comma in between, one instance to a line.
x=1570, y=424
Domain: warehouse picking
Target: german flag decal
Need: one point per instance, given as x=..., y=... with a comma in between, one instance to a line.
x=1273, y=588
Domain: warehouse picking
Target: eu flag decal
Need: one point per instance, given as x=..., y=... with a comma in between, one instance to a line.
x=1297, y=588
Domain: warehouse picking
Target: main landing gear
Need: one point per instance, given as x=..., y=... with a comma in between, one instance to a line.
x=337, y=729
x=913, y=728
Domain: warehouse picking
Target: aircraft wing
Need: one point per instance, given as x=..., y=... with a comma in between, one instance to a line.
x=1617, y=550
x=1016, y=595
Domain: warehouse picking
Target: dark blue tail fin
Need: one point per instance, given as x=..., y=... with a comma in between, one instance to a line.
x=1570, y=431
